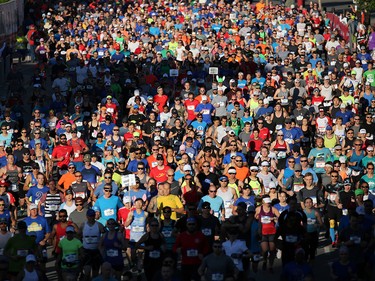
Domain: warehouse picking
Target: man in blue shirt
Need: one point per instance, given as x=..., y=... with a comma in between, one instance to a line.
x=107, y=205
x=206, y=109
x=199, y=126
x=37, y=226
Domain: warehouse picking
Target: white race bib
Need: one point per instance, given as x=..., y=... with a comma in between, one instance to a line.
x=109, y=212
x=192, y=253
x=112, y=253
x=154, y=254
x=291, y=238
x=207, y=231
x=265, y=219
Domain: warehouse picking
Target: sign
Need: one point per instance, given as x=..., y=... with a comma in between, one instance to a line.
x=213, y=70
x=173, y=72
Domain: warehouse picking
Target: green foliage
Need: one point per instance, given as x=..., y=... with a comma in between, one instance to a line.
x=3, y=1
x=369, y=5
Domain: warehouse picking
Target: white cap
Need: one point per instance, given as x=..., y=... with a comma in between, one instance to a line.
x=157, y=138
x=187, y=167
x=343, y=105
x=254, y=168
x=30, y=258
x=362, y=131
x=126, y=199
x=33, y=206
x=265, y=164
x=370, y=148
x=204, y=97
x=136, y=92
x=342, y=159
x=267, y=200
x=326, y=77
x=346, y=65
x=158, y=124
x=266, y=101
x=232, y=170
x=271, y=185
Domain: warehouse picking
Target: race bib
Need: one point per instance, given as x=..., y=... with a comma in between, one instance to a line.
x=270, y=98
x=265, y=219
x=138, y=228
x=79, y=124
x=94, y=133
x=14, y=187
x=110, y=110
x=289, y=141
x=167, y=233
x=101, y=53
x=221, y=104
x=42, y=52
x=71, y=258
x=217, y=277
x=281, y=154
x=190, y=107
x=91, y=239
x=227, y=204
x=320, y=164
x=327, y=103
x=355, y=239
x=332, y=197
x=22, y=253
x=299, y=118
x=192, y=253
x=109, y=212
x=311, y=221
x=154, y=164
x=291, y=238
x=206, y=111
x=313, y=198
x=112, y=253
x=284, y=101
x=80, y=194
x=207, y=231
x=298, y=187
x=154, y=254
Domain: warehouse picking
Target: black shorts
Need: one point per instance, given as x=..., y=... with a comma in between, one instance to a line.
x=268, y=238
x=92, y=258
x=333, y=213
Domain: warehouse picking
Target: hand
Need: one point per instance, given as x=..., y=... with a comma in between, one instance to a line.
x=42, y=243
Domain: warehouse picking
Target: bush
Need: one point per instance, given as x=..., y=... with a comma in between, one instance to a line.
x=4, y=1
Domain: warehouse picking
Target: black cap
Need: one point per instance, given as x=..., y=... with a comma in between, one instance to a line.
x=159, y=157
x=206, y=205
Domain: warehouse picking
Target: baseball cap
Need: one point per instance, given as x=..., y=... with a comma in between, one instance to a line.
x=297, y=167
x=358, y=192
x=121, y=160
x=30, y=258
x=70, y=229
x=69, y=191
x=347, y=182
x=33, y=206
x=126, y=199
x=157, y=138
x=90, y=213
x=187, y=167
x=159, y=157
x=267, y=200
x=271, y=185
x=87, y=158
x=206, y=205
x=71, y=164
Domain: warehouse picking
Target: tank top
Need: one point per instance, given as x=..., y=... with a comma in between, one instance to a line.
x=340, y=132
x=80, y=189
x=329, y=143
x=368, y=97
x=227, y=197
x=311, y=221
x=60, y=234
x=33, y=180
x=91, y=236
x=278, y=120
x=93, y=131
x=267, y=222
x=13, y=178
x=113, y=254
x=255, y=186
x=40, y=159
x=281, y=149
x=30, y=276
x=137, y=227
x=117, y=143
x=288, y=172
x=166, y=230
x=51, y=204
x=326, y=93
x=356, y=158
x=153, y=257
x=234, y=185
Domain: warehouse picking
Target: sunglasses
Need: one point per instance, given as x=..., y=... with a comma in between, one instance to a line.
x=107, y=178
x=79, y=204
x=108, y=190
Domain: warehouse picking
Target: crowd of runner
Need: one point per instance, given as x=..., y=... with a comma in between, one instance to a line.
x=188, y=141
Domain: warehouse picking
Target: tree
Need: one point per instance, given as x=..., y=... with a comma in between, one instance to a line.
x=368, y=5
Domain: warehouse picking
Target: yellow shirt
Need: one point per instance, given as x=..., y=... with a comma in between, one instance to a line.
x=171, y=201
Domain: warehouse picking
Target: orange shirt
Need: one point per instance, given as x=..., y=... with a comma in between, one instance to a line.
x=242, y=173
x=66, y=180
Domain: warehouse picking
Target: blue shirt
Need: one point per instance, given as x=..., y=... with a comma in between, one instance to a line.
x=34, y=194
x=217, y=204
x=321, y=156
x=99, y=190
x=43, y=142
x=207, y=109
x=37, y=227
x=133, y=165
x=90, y=174
x=200, y=127
x=345, y=116
x=227, y=157
x=108, y=207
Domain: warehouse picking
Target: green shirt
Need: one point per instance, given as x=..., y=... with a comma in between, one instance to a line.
x=70, y=252
x=19, y=245
x=369, y=76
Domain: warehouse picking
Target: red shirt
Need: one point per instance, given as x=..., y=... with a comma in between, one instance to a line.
x=161, y=100
x=190, y=108
x=192, y=245
x=62, y=151
x=255, y=145
x=122, y=215
x=78, y=146
x=159, y=175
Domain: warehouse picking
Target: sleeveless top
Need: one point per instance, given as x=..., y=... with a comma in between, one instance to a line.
x=288, y=172
x=13, y=178
x=117, y=143
x=112, y=254
x=356, y=158
x=281, y=149
x=227, y=197
x=93, y=130
x=311, y=221
x=51, y=204
x=267, y=222
x=80, y=189
x=340, y=132
x=30, y=276
x=330, y=143
x=60, y=234
x=167, y=230
x=279, y=120
x=153, y=257
x=137, y=227
x=255, y=186
x=90, y=236
x=234, y=185
x=326, y=93
x=368, y=97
